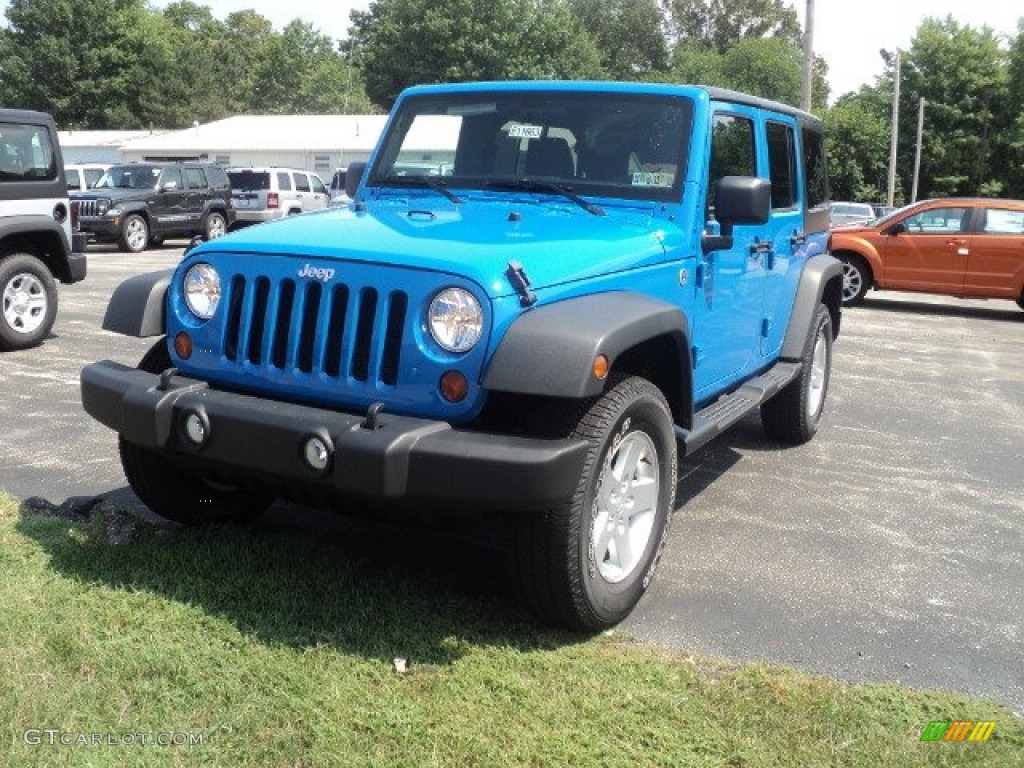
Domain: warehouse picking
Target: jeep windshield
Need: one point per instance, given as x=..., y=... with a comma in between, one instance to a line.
x=130, y=177
x=565, y=143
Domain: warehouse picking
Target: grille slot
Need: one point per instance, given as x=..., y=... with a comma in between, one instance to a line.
x=338, y=331
x=88, y=208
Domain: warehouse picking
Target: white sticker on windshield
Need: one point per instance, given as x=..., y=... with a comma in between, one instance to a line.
x=525, y=131
x=652, y=179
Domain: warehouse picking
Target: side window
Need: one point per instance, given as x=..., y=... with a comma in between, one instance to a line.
x=732, y=151
x=73, y=177
x=318, y=186
x=171, y=176
x=1000, y=221
x=195, y=178
x=284, y=181
x=302, y=182
x=782, y=164
x=26, y=153
x=937, y=221
x=218, y=178
x=815, y=170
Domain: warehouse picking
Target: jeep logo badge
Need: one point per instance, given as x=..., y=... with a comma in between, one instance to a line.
x=317, y=273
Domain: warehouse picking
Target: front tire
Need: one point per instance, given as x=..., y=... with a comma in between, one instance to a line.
x=793, y=415
x=856, y=279
x=134, y=234
x=29, y=296
x=172, y=492
x=585, y=564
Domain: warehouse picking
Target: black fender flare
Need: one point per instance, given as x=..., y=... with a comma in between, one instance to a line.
x=820, y=282
x=550, y=350
x=138, y=305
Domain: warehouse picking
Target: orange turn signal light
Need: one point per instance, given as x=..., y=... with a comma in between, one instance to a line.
x=183, y=345
x=453, y=386
x=601, y=367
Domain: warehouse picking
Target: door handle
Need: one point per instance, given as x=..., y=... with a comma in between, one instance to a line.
x=798, y=239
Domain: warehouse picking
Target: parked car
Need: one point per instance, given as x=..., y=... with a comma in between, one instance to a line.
x=38, y=245
x=81, y=176
x=265, y=194
x=139, y=204
x=540, y=334
x=849, y=213
x=965, y=247
x=338, y=196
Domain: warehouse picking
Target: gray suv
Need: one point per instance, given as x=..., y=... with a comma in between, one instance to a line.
x=37, y=246
x=265, y=194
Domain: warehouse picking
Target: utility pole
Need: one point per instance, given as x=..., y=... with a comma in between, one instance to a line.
x=808, y=74
x=894, y=60
x=917, y=151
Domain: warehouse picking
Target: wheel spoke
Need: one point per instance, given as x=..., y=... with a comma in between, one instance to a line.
x=645, y=496
x=623, y=547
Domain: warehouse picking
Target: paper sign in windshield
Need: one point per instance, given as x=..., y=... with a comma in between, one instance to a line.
x=525, y=131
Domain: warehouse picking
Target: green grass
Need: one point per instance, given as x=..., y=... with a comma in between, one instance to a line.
x=278, y=647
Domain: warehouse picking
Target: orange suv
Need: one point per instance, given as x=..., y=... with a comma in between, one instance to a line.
x=964, y=247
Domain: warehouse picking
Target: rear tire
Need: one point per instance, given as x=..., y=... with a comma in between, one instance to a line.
x=29, y=301
x=793, y=415
x=172, y=492
x=584, y=565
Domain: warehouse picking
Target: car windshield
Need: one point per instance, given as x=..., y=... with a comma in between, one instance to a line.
x=883, y=220
x=249, y=180
x=130, y=177
x=608, y=144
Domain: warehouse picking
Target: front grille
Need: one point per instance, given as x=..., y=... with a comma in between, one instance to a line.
x=89, y=208
x=336, y=330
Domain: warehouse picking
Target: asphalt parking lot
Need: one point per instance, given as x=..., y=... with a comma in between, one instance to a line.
x=887, y=549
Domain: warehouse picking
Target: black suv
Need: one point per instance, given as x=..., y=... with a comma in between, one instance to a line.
x=139, y=204
x=37, y=247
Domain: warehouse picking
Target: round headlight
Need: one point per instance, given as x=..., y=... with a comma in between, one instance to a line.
x=455, y=320
x=202, y=290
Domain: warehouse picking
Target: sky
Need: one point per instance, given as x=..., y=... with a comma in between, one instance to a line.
x=847, y=33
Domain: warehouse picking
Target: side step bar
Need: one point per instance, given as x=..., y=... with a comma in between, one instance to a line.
x=714, y=419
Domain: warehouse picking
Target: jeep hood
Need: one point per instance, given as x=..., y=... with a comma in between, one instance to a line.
x=114, y=194
x=554, y=242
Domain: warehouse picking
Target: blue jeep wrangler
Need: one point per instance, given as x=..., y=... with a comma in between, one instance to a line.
x=540, y=296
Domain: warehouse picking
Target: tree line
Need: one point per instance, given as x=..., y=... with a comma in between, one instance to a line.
x=122, y=64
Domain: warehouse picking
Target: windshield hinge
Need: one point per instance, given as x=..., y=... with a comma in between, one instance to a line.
x=520, y=283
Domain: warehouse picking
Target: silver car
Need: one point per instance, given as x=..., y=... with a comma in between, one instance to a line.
x=265, y=194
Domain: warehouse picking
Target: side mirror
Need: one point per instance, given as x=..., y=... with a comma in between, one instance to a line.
x=738, y=200
x=353, y=177
x=896, y=229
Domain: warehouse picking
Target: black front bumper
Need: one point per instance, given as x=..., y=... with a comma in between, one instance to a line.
x=77, y=260
x=403, y=457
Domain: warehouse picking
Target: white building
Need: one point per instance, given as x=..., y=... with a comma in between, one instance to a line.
x=96, y=146
x=318, y=143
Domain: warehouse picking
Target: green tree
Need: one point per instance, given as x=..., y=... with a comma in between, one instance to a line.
x=72, y=58
x=857, y=140
x=405, y=42
x=721, y=24
x=628, y=35
x=963, y=74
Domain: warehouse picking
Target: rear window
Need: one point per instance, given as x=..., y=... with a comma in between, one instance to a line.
x=249, y=180
x=26, y=153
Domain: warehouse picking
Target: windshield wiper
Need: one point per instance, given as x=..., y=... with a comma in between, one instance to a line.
x=430, y=182
x=532, y=185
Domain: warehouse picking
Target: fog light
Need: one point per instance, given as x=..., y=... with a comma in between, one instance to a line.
x=183, y=345
x=317, y=454
x=454, y=386
x=196, y=427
